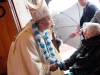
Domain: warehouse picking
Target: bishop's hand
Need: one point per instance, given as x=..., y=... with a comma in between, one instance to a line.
x=53, y=67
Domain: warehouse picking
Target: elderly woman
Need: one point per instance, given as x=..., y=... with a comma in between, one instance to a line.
x=86, y=60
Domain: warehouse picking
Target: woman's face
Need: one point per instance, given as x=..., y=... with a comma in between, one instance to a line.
x=87, y=34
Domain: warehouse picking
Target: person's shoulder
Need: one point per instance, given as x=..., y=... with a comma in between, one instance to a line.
x=98, y=12
x=92, y=6
x=26, y=38
x=27, y=35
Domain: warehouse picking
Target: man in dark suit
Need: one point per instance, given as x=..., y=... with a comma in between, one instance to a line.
x=47, y=1
x=88, y=13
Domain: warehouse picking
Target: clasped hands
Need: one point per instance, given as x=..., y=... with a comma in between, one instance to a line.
x=53, y=66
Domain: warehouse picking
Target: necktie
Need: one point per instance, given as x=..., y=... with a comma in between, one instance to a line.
x=84, y=10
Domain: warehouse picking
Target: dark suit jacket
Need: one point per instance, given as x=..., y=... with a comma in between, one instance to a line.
x=88, y=13
x=47, y=1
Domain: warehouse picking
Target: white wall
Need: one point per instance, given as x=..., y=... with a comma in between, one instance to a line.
x=22, y=12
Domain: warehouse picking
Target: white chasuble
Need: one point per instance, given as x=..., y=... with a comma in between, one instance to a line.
x=25, y=56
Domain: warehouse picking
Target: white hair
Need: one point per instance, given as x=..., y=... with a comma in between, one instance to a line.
x=93, y=28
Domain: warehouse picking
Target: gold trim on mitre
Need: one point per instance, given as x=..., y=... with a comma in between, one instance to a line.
x=32, y=6
x=38, y=11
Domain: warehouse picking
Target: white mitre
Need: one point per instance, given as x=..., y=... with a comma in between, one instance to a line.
x=38, y=11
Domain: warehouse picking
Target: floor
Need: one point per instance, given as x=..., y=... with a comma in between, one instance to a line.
x=65, y=52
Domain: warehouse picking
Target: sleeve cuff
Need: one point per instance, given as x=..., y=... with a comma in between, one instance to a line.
x=64, y=66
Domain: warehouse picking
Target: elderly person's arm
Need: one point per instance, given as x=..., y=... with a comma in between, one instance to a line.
x=69, y=62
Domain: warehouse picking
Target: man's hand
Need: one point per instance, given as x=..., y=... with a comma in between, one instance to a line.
x=78, y=27
x=53, y=67
x=72, y=35
x=77, y=33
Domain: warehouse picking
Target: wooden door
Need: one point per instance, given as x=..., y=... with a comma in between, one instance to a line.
x=7, y=31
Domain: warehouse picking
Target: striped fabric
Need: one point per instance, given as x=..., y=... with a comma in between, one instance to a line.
x=96, y=18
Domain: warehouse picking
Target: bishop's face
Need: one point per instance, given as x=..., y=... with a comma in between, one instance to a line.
x=47, y=23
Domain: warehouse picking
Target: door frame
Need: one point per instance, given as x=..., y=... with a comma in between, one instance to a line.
x=15, y=16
